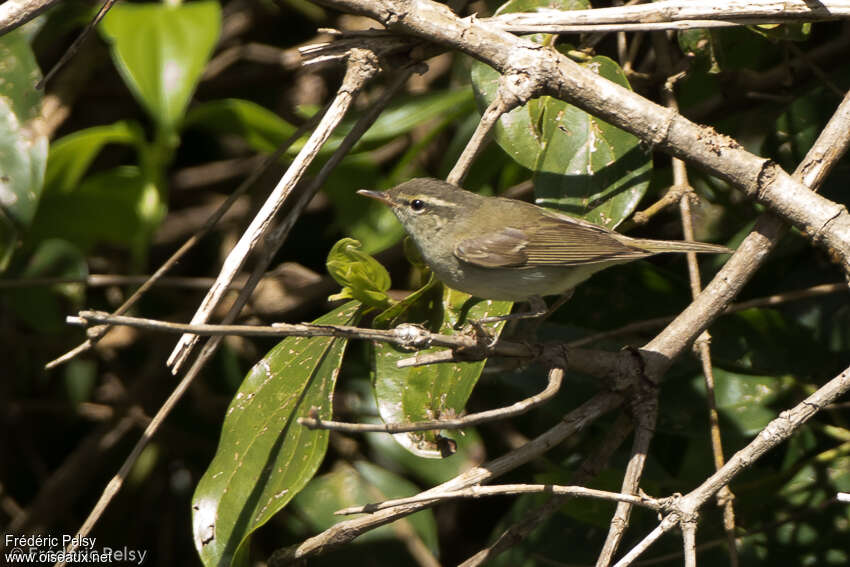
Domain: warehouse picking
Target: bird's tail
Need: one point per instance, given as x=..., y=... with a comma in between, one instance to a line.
x=661, y=246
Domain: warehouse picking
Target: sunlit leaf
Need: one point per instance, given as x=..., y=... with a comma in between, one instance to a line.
x=22, y=139
x=265, y=457
x=435, y=391
x=161, y=49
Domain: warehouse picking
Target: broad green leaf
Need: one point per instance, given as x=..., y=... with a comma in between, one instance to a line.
x=161, y=50
x=430, y=392
x=588, y=167
x=261, y=128
x=361, y=484
x=118, y=206
x=71, y=155
x=360, y=275
x=581, y=164
x=23, y=143
x=265, y=457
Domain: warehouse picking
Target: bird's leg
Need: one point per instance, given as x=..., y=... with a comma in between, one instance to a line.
x=535, y=325
x=536, y=308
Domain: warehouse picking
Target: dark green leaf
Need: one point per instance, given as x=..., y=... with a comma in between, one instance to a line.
x=265, y=457
x=71, y=156
x=797, y=128
x=360, y=275
x=470, y=452
x=44, y=307
x=406, y=113
x=262, y=129
x=24, y=143
x=744, y=399
x=698, y=44
x=355, y=486
x=437, y=390
x=161, y=50
x=119, y=206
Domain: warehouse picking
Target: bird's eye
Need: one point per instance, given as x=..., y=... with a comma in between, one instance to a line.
x=417, y=205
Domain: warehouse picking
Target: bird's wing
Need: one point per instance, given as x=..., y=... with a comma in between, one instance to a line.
x=554, y=241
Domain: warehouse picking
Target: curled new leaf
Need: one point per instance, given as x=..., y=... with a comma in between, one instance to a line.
x=360, y=275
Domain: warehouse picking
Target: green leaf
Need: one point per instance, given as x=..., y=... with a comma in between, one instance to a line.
x=119, y=206
x=432, y=472
x=582, y=164
x=699, y=45
x=71, y=156
x=796, y=129
x=160, y=51
x=744, y=399
x=24, y=153
x=354, y=486
x=588, y=167
x=44, y=307
x=265, y=457
x=370, y=222
x=405, y=113
x=423, y=393
x=262, y=129
x=360, y=275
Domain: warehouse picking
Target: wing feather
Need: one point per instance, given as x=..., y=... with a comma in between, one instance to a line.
x=554, y=241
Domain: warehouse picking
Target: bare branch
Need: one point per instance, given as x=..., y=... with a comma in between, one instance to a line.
x=346, y=531
x=15, y=13
x=556, y=377
x=508, y=490
x=671, y=14
x=356, y=76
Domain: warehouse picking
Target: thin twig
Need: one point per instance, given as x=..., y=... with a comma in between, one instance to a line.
x=345, y=531
x=508, y=490
x=645, y=415
x=776, y=432
x=555, y=378
x=505, y=101
x=363, y=65
x=668, y=523
x=535, y=517
x=725, y=498
x=405, y=335
x=78, y=41
x=15, y=13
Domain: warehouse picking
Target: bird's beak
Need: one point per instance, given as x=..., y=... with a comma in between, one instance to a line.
x=377, y=195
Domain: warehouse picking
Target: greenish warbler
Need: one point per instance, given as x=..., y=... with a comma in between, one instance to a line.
x=498, y=248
